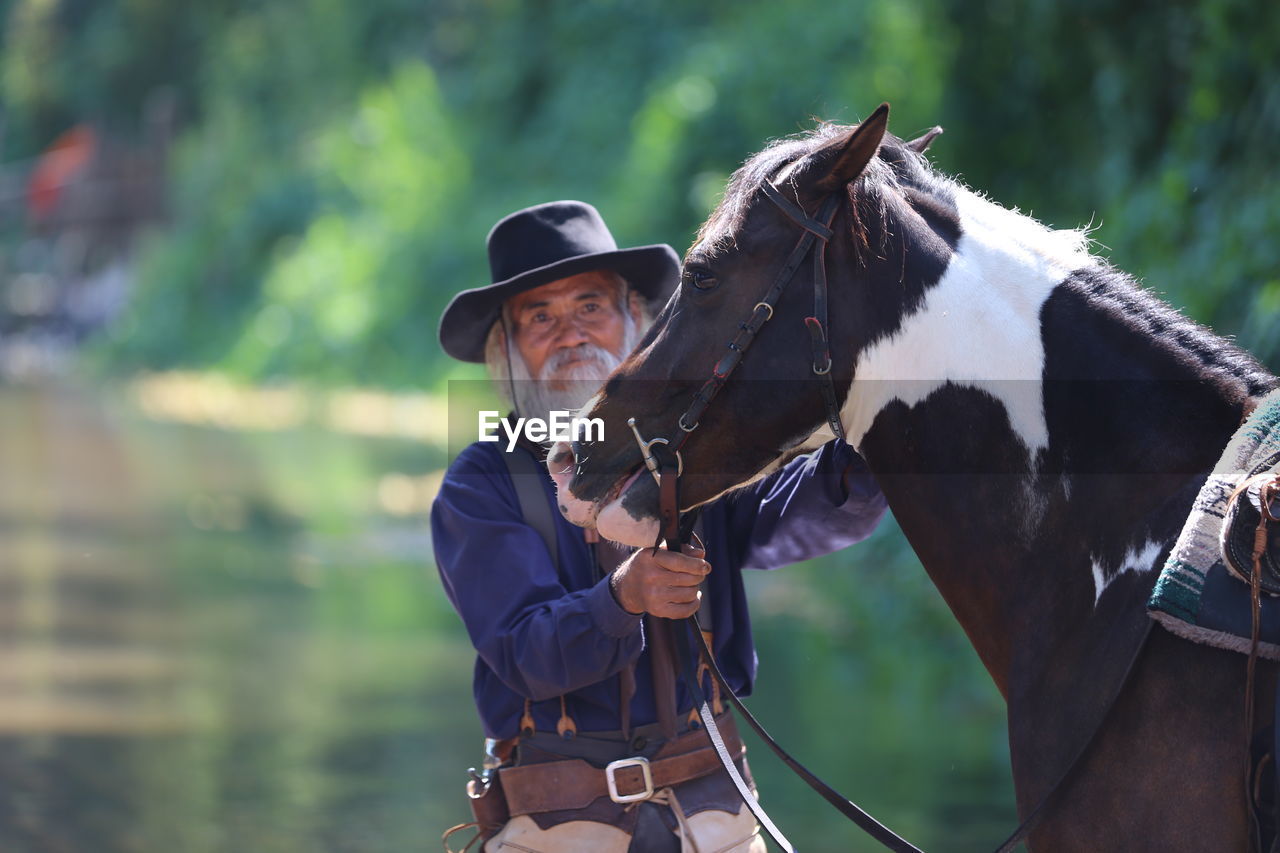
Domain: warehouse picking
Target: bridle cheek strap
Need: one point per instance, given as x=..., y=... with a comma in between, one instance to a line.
x=822, y=356
x=816, y=231
x=761, y=313
x=817, y=324
x=821, y=347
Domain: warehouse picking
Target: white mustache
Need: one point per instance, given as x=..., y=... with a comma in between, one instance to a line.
x=583, y=355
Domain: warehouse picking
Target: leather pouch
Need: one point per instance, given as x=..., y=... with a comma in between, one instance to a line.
x=1241, y=524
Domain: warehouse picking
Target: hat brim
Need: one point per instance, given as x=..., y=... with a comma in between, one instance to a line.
x=652, y=271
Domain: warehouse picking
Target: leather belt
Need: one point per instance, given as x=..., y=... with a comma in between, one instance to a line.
x=575, y=783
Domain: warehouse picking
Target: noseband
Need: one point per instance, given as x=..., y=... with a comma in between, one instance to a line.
x=816, y=230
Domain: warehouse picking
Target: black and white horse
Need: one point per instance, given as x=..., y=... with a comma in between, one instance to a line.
x=1039, y=423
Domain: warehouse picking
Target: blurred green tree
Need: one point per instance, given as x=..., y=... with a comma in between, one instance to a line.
x=341, y=162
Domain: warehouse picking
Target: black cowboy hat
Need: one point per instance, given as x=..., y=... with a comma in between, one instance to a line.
x=545, y=243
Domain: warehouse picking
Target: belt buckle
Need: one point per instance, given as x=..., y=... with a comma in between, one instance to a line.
x=622, y=763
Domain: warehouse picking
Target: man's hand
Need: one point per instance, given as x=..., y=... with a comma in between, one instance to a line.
x=663, y=583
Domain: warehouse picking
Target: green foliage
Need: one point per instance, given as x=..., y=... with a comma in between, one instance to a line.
x=384, y=177
x=342, y=162
x=1150, y=119
x=862, y=665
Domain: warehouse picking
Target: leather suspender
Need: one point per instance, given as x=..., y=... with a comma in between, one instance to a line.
x=526, y=475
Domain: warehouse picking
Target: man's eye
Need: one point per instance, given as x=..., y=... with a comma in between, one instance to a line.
x=541, y=317
x=591, y=306
x=700, y=277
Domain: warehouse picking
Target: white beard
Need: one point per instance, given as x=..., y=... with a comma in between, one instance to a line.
x=566, y=389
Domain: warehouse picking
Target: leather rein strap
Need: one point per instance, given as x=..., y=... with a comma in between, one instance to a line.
x=674, y=533
x=667, y=469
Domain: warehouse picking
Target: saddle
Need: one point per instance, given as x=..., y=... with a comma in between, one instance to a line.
x=1204, y=591
x=1249, y=538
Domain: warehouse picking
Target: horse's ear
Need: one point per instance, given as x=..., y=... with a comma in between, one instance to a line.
x=856, y=152
x=921, y=143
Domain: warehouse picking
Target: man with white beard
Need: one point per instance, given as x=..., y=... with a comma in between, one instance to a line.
x=597, y=747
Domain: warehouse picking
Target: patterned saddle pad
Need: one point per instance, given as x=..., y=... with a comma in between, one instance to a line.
x=1197, y=596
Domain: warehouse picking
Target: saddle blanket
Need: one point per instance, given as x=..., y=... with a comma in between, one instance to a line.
x=1196, y=596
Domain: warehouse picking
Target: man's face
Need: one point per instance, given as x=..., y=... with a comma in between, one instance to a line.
x=552, y=323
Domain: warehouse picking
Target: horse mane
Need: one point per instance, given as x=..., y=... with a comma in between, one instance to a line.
x=900, y=169
x=1218, y=358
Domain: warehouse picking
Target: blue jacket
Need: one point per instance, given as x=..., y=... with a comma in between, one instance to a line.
x=542, y=634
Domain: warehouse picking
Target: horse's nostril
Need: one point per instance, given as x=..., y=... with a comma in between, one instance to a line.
x=560, y=459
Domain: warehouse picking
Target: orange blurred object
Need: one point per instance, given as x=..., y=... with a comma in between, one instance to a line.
x=66, y=158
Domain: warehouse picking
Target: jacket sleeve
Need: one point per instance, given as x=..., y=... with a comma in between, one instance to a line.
x=540, y=638
x=815, y=504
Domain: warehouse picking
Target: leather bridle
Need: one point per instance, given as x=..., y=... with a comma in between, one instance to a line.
x=817, y=232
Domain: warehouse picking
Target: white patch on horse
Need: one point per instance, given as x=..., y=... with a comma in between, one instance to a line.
x=979, y=326
x=617, y=524
x=1135, y=560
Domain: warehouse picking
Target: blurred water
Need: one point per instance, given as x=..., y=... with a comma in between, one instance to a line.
x=216, y=640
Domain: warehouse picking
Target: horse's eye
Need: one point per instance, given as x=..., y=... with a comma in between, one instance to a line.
x=701, y=278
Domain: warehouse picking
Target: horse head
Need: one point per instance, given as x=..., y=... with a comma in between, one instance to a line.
x=773, y=408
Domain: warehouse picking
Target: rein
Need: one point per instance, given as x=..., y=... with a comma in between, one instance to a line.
x=675, y=531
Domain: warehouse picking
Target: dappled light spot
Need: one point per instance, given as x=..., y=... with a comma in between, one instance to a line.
x=212, y=400
x=381, y=414
x=397, y=494
x=694, y=94
x=406, y=495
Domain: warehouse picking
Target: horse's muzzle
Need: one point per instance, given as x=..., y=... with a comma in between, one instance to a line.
x=562, y=460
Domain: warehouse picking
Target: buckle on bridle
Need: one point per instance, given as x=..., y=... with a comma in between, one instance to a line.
x=621, y=764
